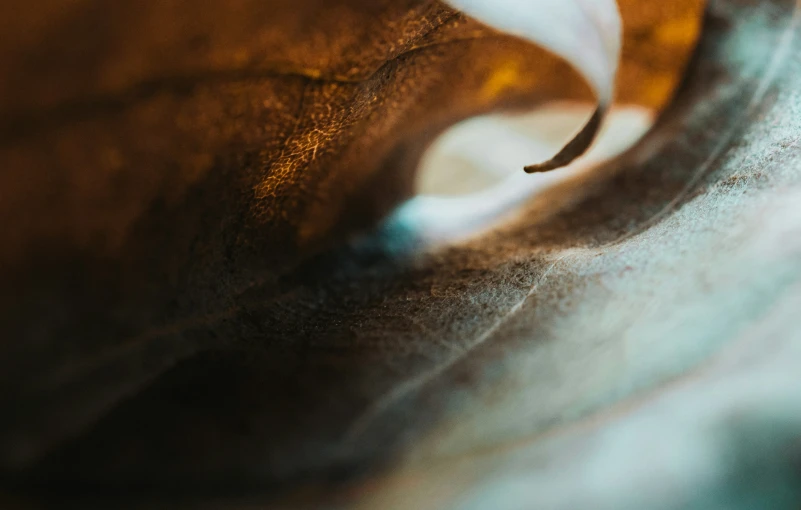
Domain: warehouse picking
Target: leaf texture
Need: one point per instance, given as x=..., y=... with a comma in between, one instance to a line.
x=187, y=325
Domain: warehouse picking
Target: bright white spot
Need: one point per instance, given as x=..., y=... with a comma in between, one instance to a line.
x=472, y=177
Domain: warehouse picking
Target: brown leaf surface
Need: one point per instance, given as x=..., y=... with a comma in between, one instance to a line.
x=164, y=159
x=176, y=319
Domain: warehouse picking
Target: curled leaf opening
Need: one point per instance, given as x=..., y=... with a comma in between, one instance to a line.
x=586, y=33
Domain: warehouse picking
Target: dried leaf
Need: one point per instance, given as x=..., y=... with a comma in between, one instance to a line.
x=168, y=329
x=585, y=33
